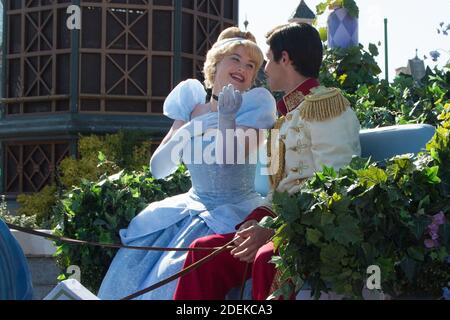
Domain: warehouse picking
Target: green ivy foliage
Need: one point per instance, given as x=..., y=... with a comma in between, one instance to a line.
x=343, y=222
x=97, y=210
x=379, y=103
x=350, y=5
x=350, y=68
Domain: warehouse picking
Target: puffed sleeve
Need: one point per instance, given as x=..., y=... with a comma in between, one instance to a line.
x=258, y=109
x=182, y=100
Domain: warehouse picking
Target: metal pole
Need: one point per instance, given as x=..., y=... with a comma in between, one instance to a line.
x=74, y=66
x=177, y=42
x=3, y=93
x=3, y=81
x=386, y=49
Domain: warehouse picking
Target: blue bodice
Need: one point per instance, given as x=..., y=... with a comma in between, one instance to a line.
x=214, y=184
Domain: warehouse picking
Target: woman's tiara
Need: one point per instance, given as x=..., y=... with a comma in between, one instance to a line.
x=224, y=42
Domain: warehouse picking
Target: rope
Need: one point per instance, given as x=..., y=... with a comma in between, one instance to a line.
x=182, y=273
x=97, y=244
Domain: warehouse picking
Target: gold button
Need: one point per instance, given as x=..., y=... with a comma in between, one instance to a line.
x=289, y=117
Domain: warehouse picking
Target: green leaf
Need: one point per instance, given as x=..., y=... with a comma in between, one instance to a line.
x=310, y=219
x=416, y=253
x=286, y=290
x=347, y=231
x=419, y=226
x=444, y=231
x=105, y=237
x=387, y=267
x=101, y=156
x=61, y=277
x=321, y=7
x=372, y=176
x=323, y=32
x=332, y=254
x=327, y=218
x=373, y=49
x=358, y=163
x=286, y=206
x=59, y=251
x=280, y=236
x=432, y=175
x=313, y=236
x=339, y=204
x=268, y=222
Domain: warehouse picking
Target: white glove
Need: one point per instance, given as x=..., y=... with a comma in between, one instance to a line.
x=230, y=101
x=167, y=157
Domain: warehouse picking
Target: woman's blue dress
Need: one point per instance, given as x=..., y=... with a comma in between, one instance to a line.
x=221, y=197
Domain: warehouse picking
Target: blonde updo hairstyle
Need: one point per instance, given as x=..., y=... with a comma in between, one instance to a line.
x=224, y=46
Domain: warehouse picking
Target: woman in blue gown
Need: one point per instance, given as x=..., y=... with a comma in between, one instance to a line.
x=222, y=195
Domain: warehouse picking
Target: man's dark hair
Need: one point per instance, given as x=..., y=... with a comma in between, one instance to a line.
x=302, y=42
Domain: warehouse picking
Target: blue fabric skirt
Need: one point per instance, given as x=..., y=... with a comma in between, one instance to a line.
x=174, y=222
x=15, y=277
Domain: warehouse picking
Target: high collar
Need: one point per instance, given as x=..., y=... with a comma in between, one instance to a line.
x=293, y=99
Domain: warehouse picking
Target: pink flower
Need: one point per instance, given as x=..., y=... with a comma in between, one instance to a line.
x=433, y=230
x=439, y=219
x=430, y=244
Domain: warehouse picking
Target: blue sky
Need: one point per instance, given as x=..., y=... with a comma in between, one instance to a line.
x=412, y=25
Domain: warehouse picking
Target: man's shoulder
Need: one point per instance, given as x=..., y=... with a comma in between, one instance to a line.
x=323, y=104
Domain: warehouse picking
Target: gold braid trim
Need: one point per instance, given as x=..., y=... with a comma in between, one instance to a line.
x=276, y=174
x=323, y=104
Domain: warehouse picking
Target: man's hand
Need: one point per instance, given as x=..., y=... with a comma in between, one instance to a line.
x=251, y=237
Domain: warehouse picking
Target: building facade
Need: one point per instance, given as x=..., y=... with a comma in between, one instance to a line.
x=113, y=73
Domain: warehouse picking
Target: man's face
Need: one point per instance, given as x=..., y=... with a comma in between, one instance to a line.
x=274, y=72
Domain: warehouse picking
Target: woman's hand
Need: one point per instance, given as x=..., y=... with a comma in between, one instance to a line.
x=251, y=238
x=230, y=102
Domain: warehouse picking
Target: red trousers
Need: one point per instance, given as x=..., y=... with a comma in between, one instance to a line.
x=214, y=279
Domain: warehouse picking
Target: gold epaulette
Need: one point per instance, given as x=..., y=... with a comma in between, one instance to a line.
x=323, y=104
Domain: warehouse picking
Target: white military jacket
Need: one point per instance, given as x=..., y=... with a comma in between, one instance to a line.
x=322, y=130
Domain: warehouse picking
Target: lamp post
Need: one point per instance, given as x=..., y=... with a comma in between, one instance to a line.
x=386, y=50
